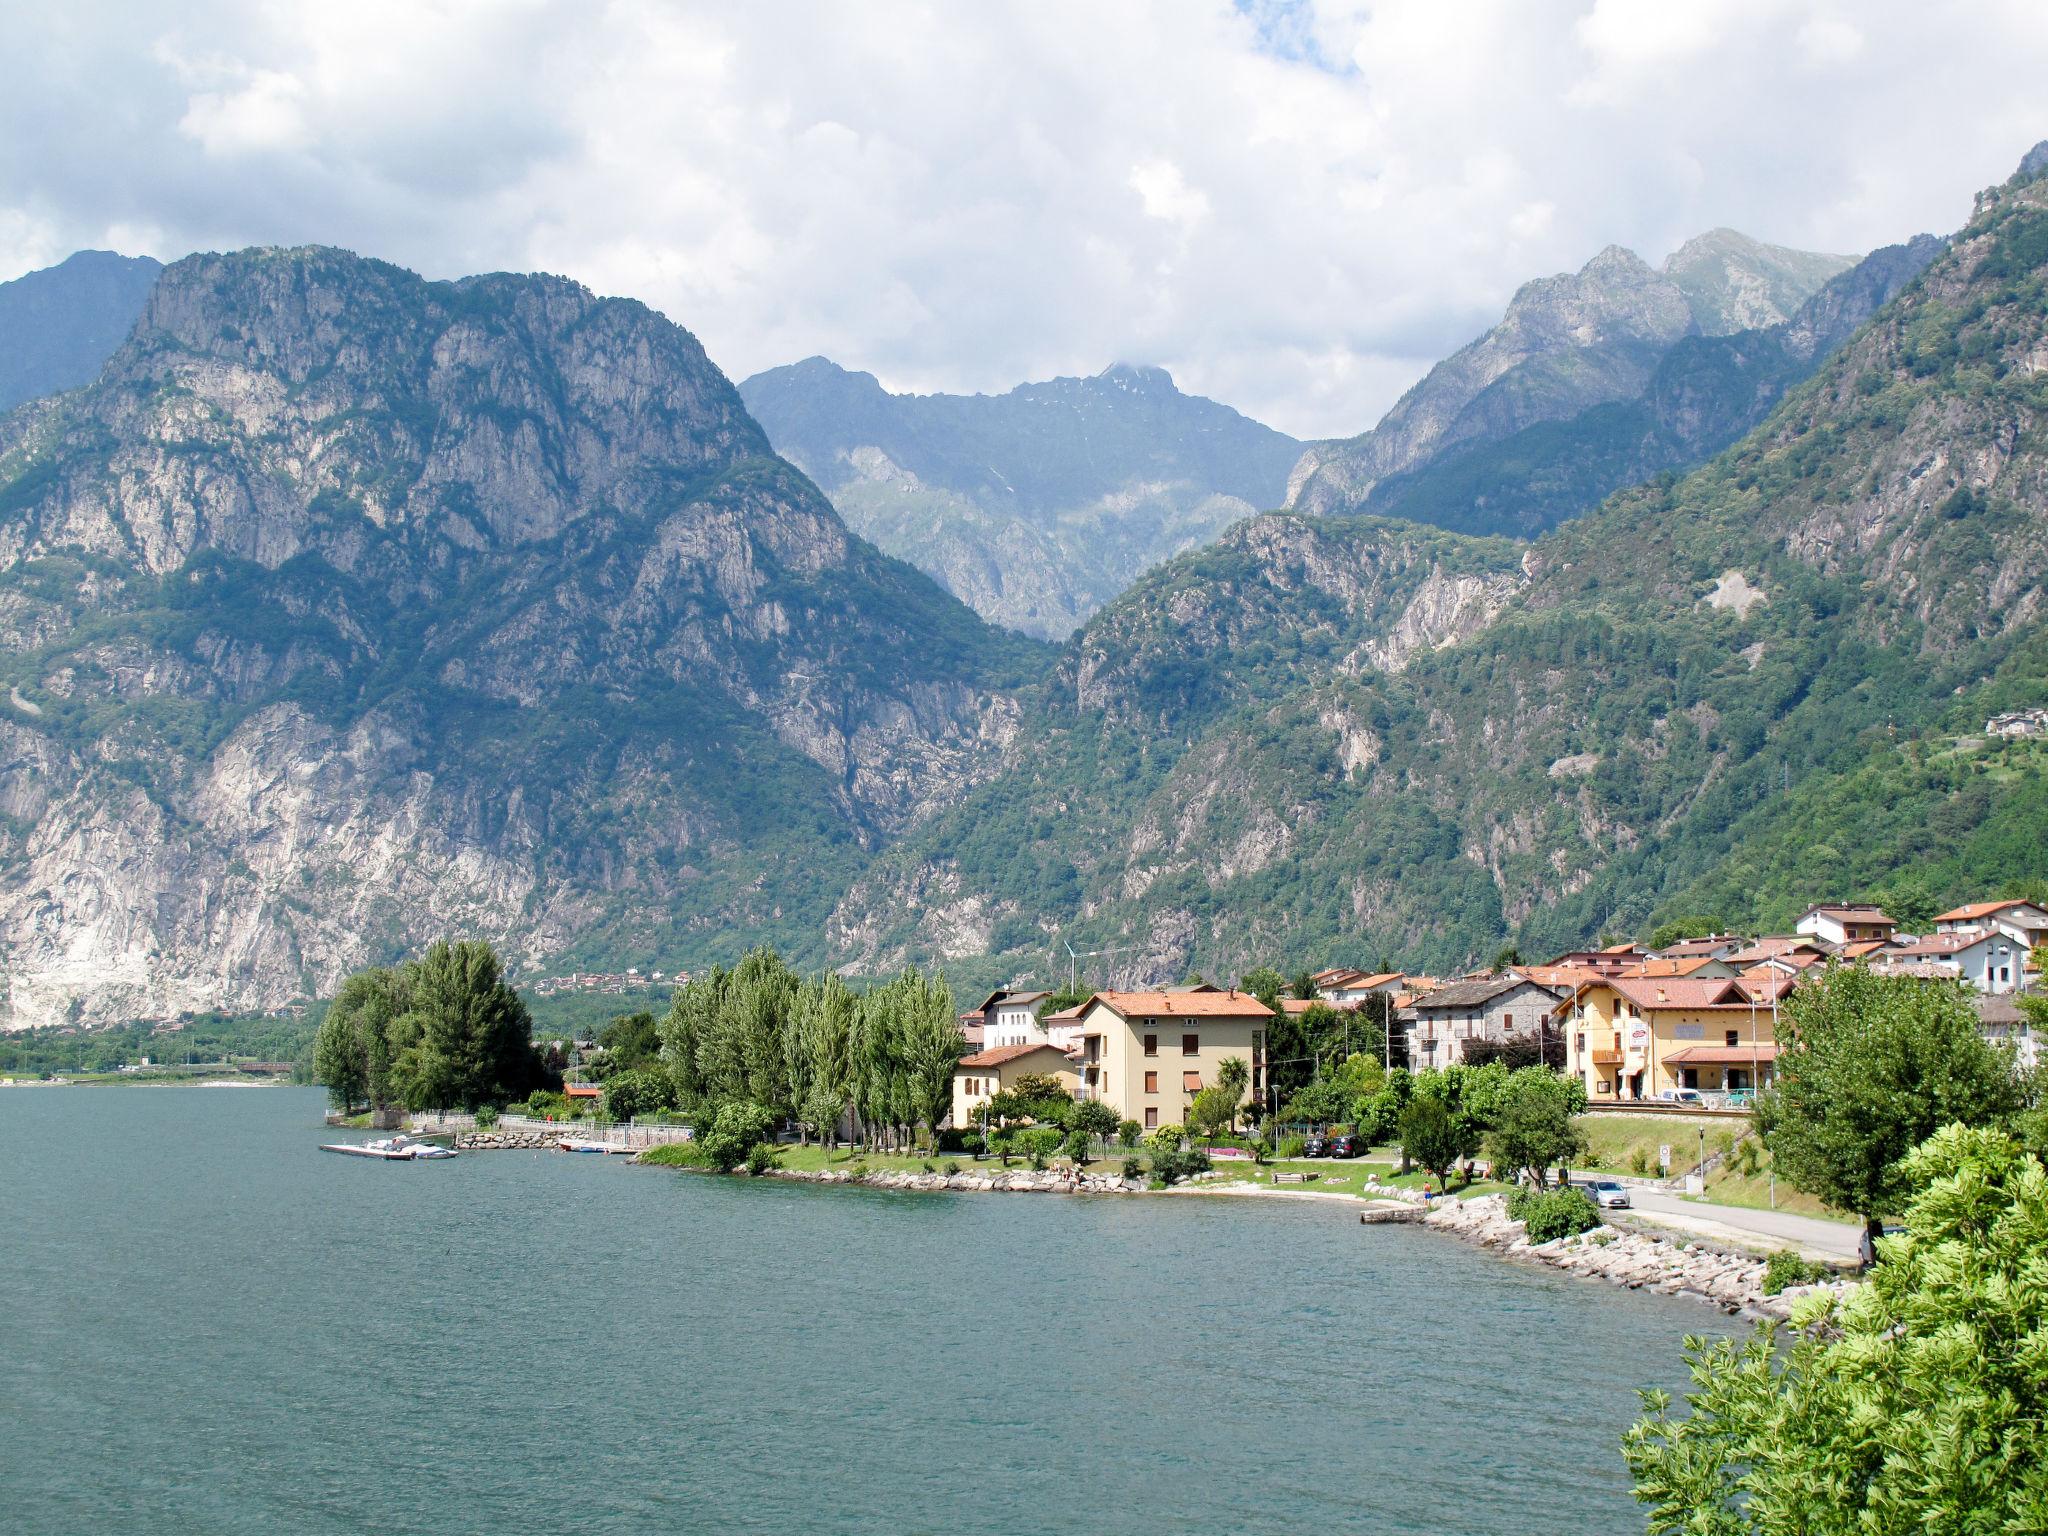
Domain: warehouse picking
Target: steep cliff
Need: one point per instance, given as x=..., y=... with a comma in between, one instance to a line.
x=345, y=608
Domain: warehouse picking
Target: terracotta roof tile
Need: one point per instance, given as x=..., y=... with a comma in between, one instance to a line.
x=1003, y=1054
x=1183, y=1005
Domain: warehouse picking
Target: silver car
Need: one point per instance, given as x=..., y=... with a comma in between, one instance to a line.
x=1607, y=1194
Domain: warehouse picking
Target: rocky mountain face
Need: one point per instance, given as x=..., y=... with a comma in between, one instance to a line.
x=1345, y=736
x=345, y=609
x=57, y=326
x=1034, y=507
x=1704, y=393
x=1566, y=344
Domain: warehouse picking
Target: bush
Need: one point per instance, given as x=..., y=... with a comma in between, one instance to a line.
x=736, y=1129
x=486, y=1117
x=1128, y=1133
x=1639, y=1162
x=1133, y=1168
x=957, y=1140
x=951, y=1169
x=676, y=1154
x=762, y=1158
x=1785, y=1268
x=1294, y=1146
x=1168, y=1168
x=1551, y=1214
x=1166, y=1139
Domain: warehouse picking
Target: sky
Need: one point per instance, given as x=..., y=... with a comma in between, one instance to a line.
x=1294, y=207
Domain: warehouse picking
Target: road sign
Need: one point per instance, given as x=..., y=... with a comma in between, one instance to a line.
x=1664, y=1158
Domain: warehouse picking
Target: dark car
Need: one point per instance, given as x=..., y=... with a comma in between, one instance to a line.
x=1345, y=1146
x=1316, y=1146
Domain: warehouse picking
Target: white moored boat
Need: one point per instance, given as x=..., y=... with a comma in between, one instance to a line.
x=391, y=1149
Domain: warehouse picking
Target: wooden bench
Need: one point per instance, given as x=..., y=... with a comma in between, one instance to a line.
x=1296, y=1178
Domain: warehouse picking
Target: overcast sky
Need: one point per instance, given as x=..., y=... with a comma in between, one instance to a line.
x=1295, y=208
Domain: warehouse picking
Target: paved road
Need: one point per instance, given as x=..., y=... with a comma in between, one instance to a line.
x=1813, y=1236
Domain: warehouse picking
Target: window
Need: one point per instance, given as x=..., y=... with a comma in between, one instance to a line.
x=1605, y=1086
x=1579, y=1042
x=1152, y=1119
x=1151, y=1082
x=1733, y=1039
x=1191, y=1045
x=1151, y=1045
x=1191, y=1082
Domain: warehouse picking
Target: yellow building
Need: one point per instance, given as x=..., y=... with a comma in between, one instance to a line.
x=1147, y=1054
x=1638, y=1037
x=980, y=1077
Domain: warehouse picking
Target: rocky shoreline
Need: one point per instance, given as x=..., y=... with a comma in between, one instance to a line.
x=1734, y=1282
x=1044, y=1181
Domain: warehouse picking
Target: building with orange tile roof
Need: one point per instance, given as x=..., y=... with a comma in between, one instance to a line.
x=1147, y=1054
x=1634, y=1038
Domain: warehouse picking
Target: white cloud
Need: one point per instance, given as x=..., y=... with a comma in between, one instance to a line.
x=266, y=113
x=1294, y=207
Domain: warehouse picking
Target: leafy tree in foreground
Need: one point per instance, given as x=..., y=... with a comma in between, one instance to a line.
x=473, y=1041
x=1873, y=1066
x=638, y=1092
x=1265, y=984
x=354, y=1050
x=1211, y=1111
x=1915, y=1403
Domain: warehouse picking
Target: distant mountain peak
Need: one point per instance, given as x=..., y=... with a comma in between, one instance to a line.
x=1139, y=376
x=61, y=324
x=2032, y=163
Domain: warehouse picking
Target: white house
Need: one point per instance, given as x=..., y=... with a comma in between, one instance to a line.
x=1349, y=989
x=1847, y=923
x=1011, y=1018
x=2003, y=1022
x=2021, y=921
x=1989, y=961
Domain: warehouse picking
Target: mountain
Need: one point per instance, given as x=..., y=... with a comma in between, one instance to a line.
x=1704, y=393
x=345, y=609
x=57, y=326
x=1567, y=343
x=1732, y=692
x=1034, y=507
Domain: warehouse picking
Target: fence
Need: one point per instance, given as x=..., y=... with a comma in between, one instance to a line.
x=634, y=1136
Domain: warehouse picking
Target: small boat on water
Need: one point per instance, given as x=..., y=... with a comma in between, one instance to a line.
x=392, y=1149
x=584, y=1144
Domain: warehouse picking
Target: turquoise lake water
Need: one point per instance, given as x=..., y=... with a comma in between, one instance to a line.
x=206, y=1325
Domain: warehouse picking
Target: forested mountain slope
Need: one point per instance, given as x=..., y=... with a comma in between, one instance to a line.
x=1036, y=506
x=1566, y=344
x=346, y=609
x=58, y=325
x=1234, y=763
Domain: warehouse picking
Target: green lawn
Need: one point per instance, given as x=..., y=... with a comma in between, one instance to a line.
x=1727, y=1187
x=1614, y=1141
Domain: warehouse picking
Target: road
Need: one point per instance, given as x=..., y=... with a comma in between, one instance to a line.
x=1812, y=1236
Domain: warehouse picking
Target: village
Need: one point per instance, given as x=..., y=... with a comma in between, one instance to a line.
x=1690, y=1026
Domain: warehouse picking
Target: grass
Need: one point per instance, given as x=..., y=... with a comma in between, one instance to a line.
x=1613, y=1141
x=1725, y=1186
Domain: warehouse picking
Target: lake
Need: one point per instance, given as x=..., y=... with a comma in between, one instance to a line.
x=207, y=1325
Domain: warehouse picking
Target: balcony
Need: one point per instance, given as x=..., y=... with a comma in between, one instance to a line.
x=1607, y=1052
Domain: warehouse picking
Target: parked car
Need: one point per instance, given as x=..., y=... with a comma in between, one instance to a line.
x=1345, y=1146
x=1689, y=1096
x=1318, y=1146
x=1607, y=1194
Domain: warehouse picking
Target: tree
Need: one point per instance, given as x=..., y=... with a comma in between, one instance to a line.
x=1094, y=1118
x=1210, y=1111
x=1321, y=1103
x=1532, y=1127
x=929, y=1021
x=466, y=1038
x=631, y=1043
x=1233, y=1076
x=354, y=1051
x=1915, y=1403
x=1870, y=1067
x=1506, y=956
x=1436, y=1137
x=1128, y=1132
x=1303, y=987
x=638, y=1092
x=1263, y=983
